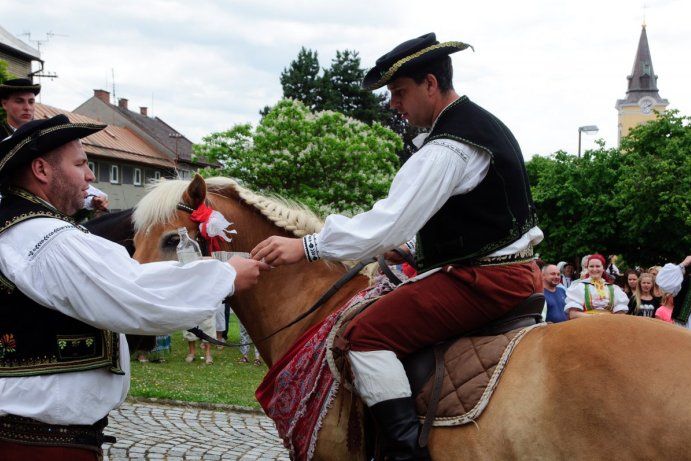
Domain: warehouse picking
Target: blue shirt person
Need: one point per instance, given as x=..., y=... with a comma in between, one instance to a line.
x=555, y=294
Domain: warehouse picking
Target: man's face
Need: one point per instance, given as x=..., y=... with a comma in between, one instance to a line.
x=19, y=107
x=551, y=277
x=69, y=179
x=412, y=101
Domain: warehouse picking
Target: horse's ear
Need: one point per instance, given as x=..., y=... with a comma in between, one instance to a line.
x=196, y=192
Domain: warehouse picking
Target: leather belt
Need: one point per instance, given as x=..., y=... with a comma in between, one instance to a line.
x=28, y=431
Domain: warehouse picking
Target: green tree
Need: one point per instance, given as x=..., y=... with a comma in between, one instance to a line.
x=634, y=201
x=343, y=92
x=575, y=202
x=330, y=162
x=654, y=190
x=301, y=80
x=4, y=75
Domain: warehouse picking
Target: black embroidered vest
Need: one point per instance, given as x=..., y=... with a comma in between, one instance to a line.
x=494, y=214
x=36, y=340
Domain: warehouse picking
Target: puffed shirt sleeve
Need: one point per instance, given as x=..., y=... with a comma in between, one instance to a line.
x=670, y=278
x=575, y=297
x=94, y=280
x=440, y=169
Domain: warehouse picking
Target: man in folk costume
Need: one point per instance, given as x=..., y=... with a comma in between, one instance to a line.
x=676, y=279
x=465, y=194
x=18, y=99
x=64, y=292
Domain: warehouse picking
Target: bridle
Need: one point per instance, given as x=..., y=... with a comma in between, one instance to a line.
x=203, y=244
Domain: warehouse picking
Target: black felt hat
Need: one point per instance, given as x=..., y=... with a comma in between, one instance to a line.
x=18, y=85
x=407, y=56
x=39, y=137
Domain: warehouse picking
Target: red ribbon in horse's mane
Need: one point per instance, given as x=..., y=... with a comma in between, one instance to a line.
x=212, y=226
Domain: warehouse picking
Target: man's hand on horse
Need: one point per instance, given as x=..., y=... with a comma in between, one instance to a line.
x=278, y=251
x=100, y=203
x=246, y=272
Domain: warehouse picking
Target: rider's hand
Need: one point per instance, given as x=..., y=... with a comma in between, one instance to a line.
x=246, y=272
x=395, y=257
x=277, y=251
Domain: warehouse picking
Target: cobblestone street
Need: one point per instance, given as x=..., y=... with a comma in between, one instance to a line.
x=155, y=431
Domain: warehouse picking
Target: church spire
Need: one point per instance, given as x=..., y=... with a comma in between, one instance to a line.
x=643, y=100
x=642, y=81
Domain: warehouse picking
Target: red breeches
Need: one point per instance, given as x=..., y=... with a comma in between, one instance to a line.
x=442, y=306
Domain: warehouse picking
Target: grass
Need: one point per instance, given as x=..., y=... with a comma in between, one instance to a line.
x=226, y=381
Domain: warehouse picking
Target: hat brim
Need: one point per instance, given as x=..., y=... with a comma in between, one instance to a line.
x=41, y=142
x=7, y=90
x=377, y=77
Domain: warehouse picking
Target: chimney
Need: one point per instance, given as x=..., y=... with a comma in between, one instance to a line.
x=143, y=111
x=122, y=103
x=103, y=95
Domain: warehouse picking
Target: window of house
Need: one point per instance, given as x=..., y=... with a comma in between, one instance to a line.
x=114, y=174
x=137, y=177
x=157, y=175
x=92, y=167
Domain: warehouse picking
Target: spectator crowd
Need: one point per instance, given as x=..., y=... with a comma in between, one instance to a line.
x=659, y=292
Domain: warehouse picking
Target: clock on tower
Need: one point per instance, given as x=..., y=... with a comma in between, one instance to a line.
x=646, y=105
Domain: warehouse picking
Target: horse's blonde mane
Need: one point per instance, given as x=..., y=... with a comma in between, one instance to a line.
x=158, y=206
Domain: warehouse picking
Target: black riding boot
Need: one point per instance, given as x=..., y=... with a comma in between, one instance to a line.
x=399, y=427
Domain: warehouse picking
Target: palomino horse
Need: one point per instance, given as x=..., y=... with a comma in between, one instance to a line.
x=605, y=387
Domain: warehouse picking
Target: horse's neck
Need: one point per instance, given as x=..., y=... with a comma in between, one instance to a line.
x=285, y=293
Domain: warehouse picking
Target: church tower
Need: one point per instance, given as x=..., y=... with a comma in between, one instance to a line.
x=642, y=97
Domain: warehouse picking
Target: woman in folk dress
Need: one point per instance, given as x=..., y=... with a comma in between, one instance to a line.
x=593, y=294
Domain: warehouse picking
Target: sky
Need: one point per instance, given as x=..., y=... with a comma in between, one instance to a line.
x=545, y=67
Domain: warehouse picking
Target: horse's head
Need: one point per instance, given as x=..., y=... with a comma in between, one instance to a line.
x=281, y=293
x=157, y=217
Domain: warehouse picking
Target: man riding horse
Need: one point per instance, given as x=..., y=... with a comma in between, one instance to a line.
x=465, y=196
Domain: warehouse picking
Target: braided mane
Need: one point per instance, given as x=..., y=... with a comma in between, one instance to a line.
x=158, y=206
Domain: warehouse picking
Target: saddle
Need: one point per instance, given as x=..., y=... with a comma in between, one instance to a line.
x=453, y=380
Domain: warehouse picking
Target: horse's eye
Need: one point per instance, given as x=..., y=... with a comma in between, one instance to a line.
x=171, y=241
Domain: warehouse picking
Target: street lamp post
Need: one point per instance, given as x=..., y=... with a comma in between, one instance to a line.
x=588, y=129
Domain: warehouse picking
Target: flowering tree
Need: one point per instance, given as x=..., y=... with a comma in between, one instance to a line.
x=329, y=162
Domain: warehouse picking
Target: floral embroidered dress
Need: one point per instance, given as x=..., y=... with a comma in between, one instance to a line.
x=596, y=296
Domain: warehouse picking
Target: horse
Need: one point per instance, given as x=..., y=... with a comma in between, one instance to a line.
x=116, y=227
x=604, y=387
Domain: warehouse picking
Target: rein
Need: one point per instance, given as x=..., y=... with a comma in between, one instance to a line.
x=384, y=267
x=352, y=272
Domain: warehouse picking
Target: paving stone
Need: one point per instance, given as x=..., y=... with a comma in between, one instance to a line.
x=158, y=431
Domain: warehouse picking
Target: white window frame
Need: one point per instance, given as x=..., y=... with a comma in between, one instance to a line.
x=114, y=174
x=92, y=167
x=157, y=175
x=137, y=177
